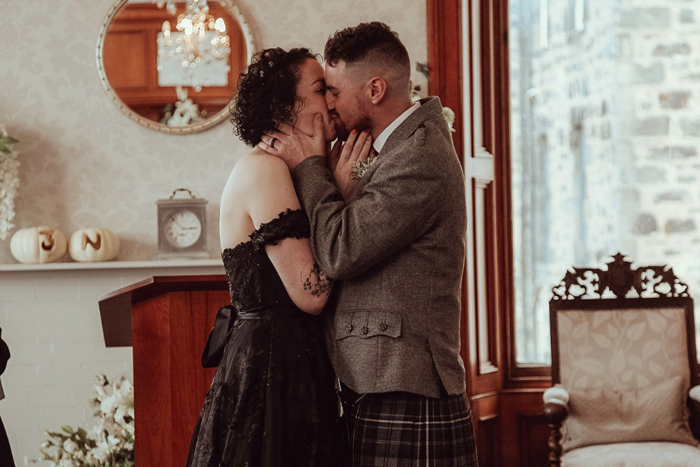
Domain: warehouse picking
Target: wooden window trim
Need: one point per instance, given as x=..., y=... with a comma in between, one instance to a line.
x=446, y=81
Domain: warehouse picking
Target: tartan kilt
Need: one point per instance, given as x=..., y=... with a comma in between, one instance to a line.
x=400, y=429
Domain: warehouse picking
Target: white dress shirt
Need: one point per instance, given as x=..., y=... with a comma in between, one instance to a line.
x=384, y=135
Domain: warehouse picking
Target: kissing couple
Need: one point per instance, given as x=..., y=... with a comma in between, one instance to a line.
x=345, y=266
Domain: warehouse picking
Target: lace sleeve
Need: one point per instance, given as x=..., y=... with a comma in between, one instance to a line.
x=290, y=223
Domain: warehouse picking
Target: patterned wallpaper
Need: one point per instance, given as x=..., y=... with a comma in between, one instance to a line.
x=86, y=164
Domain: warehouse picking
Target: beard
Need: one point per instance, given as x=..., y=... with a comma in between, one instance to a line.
x=343, y=129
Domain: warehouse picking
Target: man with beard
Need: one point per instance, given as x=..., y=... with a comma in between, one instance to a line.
x=397, y=248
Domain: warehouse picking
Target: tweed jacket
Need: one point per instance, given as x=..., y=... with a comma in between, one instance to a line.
x=397, y=251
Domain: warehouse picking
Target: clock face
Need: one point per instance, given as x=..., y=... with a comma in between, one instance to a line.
x=182, y=229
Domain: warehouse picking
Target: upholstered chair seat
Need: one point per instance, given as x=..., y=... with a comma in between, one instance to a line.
x=637, y=454
x=651, y=454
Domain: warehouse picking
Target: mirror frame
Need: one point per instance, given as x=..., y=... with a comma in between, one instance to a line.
x=126, y=110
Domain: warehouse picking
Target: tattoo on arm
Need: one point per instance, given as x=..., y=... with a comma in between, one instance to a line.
x=317, y=282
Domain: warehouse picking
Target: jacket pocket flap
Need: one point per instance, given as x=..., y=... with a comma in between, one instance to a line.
x=366, y=324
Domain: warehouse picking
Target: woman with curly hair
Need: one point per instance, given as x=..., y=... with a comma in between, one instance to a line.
x=272, y=401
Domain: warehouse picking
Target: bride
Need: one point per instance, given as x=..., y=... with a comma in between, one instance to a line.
x=272, y=401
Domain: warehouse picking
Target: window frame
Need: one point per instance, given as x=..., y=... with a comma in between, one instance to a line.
x=449, y=45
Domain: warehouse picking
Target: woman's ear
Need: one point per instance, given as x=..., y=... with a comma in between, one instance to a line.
x=377, y=90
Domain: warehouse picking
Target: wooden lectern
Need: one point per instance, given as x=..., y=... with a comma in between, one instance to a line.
x=167, y=321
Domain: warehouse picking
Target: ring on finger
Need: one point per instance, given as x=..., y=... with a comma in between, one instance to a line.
x=272, y=143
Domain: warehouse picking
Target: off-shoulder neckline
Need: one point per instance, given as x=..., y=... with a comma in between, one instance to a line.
x=257, y=231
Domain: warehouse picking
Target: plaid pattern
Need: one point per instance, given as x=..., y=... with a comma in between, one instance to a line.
x=400, y=429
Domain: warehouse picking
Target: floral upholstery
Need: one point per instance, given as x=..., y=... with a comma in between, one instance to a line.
x=602, y=416
x=627, y=373
x=624, y=349
x=634, y=455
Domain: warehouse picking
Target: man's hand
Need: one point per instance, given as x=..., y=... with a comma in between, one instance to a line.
x=343, y=160
x=294, y=146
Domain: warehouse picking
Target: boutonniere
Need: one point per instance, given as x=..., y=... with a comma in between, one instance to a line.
x=361, y=167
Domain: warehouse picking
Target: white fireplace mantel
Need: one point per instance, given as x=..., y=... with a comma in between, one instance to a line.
x=76, y=266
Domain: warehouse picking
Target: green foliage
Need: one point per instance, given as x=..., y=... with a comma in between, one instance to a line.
x=5, y=142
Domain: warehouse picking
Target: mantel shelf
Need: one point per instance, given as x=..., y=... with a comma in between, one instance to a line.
x=75, y=266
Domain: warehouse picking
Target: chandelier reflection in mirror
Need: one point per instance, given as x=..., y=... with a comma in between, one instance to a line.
x=201, y=40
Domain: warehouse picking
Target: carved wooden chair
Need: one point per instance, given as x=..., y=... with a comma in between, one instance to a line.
x=623, y=365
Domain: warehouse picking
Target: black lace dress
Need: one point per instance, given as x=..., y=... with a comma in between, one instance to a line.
x=272, y=401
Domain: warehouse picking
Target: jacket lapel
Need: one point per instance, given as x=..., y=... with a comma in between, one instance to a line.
x=430, y=108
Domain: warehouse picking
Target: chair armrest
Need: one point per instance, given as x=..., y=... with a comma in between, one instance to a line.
x=556, y=409
x=559, y=393
x=556, y=400
x=694, y=395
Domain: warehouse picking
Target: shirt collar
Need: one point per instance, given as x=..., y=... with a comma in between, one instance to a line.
x=381, y=140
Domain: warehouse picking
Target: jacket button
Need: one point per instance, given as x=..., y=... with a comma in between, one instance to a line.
x=365, y=330
x=383, y=327
x=348, y=328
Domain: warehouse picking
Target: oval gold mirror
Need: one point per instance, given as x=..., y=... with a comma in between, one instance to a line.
x=172, y=66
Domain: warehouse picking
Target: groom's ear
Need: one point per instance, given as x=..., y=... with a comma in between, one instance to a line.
x=376, y=90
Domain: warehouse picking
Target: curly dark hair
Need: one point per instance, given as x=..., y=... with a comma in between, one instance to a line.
x=373, y=41
x=267, y=93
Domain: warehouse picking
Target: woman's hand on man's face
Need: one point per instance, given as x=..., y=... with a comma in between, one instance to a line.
x=294, y=146
x=343, y=159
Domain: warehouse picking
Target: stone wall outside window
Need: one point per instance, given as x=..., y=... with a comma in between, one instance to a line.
x=605, y=140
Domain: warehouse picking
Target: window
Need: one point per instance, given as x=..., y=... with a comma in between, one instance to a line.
x=579, y=12
x=574, y=20
x=605, y=146
x=543, y=24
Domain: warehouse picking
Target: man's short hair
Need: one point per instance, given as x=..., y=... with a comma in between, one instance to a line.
x=368, y=43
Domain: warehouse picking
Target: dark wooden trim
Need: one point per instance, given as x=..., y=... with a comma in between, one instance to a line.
x=485, y=366
x=489, y=441
x=500, y=396
x=493, y=320
x=469, y=42
x=533, y=435
x=504, y=223
x=514, y=405
x=487, y=58
x=445, y=61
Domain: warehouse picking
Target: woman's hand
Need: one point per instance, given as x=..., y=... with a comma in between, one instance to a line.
x=294, y=146
x=343, y=160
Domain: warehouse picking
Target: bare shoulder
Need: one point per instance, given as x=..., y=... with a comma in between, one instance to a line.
x=258, y=167
x=260, y=161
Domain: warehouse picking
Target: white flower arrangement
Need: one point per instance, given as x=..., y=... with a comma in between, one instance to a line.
x=109, y=444
x=186, y=112
x=9, y=181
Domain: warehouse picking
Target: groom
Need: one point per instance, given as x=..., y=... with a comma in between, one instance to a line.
x=397, y=251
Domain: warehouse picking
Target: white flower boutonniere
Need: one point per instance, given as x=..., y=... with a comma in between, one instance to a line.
x=449, y=115
x=361, y=167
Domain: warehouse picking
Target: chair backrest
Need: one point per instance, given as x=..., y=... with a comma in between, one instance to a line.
x=622, y=328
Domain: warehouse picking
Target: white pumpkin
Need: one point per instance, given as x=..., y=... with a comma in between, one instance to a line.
x=93, y=244
x=36, y=245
